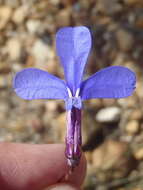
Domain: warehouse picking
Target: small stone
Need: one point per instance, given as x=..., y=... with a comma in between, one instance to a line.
x=61, y=122
x=90, y=176
x=4, y=110
x=41, y=51
x=100, y=155
x=44, y=56
x=33, y=26
x=16, y=126
x=3, y=81
x=108, y=7
x=14, y=48
x=12, y=3
x=36, y=124
x=54, y=2
x=88, y=156
x=127, y=102
x=20, y=14
x=63, y=18
x=112, y=160
x=125, y=40
x=16, y=67
x=139, y=154
x=109, y=114
x=134, y=2
x=132, y=127
x=95, y=103
x=51, y=106
x=4, y=107
x=5, y=15
x=136, y=114
x=50, y=24
x=139, y=89
x=108, y=102
x=5, y=68
x=139, y=19
x=68, y=3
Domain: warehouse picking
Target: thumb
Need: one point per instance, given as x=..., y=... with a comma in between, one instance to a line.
x=63, y=187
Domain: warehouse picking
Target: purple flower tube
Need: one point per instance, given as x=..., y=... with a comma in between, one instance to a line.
x=73, y=45
x=73, y=138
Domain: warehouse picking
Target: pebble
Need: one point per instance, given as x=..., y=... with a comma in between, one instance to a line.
x=139, y=154
x=16, y=125
x=27, y=39
x=107, y=154
x=55, y=2
x=44, y=55
x=124, y=39
x=4, y=110
x=5, y=68
x=129, y=102
x=51, y=106
x=4, y=81
x=109, y=114
x=5, y=16
x=20, y=14
x=111, y=156
x=134, y=2
x=14, y=48
x=13, y=3
x=33, y=26
x=36, y=124
x=136, y=114
x=64, y=18
x=132, y=127
x=108, y=7
x=4, y=107
x=61, y=128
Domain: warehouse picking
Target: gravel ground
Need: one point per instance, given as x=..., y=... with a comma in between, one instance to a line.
x=112, y=129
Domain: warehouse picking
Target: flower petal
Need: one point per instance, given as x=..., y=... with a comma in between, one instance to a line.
x=73, y=45
x=111, y=82
x=34, y=83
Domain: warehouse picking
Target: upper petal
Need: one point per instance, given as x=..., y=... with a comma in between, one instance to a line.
x=111, y=82
x=73, y=45
x=34, y=83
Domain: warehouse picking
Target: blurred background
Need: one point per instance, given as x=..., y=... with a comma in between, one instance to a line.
x=112, y=129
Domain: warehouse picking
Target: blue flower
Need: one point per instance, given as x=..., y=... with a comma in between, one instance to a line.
x=73, y=45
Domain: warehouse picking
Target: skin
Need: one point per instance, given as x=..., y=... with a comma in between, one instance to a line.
x=37, y=167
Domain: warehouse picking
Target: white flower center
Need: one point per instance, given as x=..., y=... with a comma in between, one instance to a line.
x=76, y=94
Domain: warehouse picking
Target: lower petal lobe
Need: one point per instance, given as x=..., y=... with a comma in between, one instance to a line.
x=34, y=83
x=111, y=82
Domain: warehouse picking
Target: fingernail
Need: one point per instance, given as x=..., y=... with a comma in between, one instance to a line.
x=62, y=187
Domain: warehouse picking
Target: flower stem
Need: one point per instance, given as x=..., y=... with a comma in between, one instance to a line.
x=73, y=137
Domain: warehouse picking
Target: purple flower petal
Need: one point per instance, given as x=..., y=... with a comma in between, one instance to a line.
x=38, y=84
x=73, y=45
x=111, y=82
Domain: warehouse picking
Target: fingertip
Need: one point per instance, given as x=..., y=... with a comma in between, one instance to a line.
x=78, y=175
x=24, y=166
x=63, y=187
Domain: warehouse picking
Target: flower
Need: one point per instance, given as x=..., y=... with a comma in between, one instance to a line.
x=73, y=45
